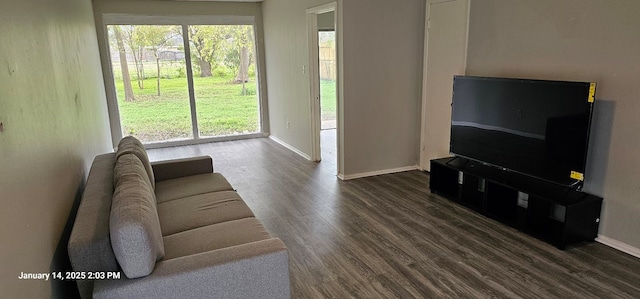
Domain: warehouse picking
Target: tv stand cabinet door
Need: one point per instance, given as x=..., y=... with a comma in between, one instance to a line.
x=582, y=220
x=443, y=180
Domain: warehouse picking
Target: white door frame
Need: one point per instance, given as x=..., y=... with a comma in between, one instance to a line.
x=424, y=159
x=314, y=81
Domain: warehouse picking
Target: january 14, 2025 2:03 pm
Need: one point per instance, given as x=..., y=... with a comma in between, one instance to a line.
x=75, y=275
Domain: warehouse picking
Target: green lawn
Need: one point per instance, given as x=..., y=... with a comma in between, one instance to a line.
x=220, y=106
x=328, y=99
x=221, y=109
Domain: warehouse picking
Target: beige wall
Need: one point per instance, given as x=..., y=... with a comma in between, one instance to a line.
x=382, y=48
x=587, y=40
x=53, y=110
x=383, y=55
x=285, y=34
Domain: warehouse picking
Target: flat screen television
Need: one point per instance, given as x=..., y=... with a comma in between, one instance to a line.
x=539, y=128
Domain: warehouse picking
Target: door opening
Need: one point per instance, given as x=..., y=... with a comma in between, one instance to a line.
x=327, y=75
x=325, y=87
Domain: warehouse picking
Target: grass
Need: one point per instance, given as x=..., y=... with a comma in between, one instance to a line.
x=220, y=106
x=328, y=99
x=221, y=109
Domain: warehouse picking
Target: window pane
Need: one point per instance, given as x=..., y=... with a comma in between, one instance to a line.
x=149, y=71
x=225, y=82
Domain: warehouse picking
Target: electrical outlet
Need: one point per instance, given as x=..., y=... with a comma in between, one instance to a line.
x=288, y=125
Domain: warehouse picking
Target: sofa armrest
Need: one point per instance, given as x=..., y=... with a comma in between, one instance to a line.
x=171, y=169
x=254, y=270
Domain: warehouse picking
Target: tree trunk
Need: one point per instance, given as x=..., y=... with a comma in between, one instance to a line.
x=139, y=75
x=140, y=72
x=128, y=90
x=205, y=67
x=158, y=67
x=243, y=70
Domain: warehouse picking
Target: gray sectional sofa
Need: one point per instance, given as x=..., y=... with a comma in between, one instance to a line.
x=173, y=229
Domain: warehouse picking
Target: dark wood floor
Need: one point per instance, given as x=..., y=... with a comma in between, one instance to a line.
x=389, y=237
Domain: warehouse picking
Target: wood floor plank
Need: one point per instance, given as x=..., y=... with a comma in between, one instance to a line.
x=388, y=237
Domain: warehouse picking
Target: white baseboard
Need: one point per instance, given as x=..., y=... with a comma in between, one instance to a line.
x=291, y=148
x=624, y=247
x=377, y=172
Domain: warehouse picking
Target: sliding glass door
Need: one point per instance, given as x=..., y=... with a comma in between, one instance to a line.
x=184, y=82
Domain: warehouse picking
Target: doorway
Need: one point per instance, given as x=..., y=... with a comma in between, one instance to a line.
x=325, y=86
x=327, y=74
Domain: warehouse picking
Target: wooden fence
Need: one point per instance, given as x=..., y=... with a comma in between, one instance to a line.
x=327, y=63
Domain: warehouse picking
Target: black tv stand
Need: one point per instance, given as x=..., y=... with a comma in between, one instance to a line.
x=557, y=214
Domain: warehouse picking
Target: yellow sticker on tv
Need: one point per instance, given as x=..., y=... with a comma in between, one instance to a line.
x=577, y=175
x=592, y=92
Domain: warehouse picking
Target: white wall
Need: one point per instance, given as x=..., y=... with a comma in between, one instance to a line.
x=54, y=115
x=382, y=74
x=587, y=40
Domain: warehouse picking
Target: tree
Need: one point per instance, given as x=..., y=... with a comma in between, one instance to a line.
x=124, y=67
x=206, y=42
x=238, y=52
x=245, y=37
x=135, y=41
x=156, y=38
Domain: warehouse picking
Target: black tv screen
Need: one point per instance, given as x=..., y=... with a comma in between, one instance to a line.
x=538, y=128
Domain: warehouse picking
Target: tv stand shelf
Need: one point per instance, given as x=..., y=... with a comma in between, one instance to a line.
x=556, y=214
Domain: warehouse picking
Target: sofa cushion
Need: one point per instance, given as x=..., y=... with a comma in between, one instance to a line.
x=134, y=226
x=131, y=145
x=212, y=237
x=128, y=165
x=201, y=210
x=191, y=185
